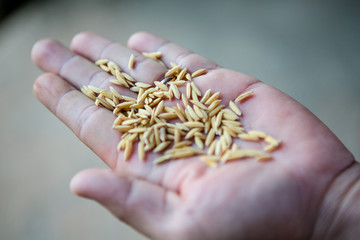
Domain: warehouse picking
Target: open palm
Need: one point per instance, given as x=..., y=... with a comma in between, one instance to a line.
x=185, y=199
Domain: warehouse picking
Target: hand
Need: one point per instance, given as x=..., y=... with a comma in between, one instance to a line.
x=306, y=191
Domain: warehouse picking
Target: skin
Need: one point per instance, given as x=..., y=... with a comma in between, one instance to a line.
x=308, y=191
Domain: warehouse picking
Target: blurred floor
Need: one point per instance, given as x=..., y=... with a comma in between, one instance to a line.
x=307, y=49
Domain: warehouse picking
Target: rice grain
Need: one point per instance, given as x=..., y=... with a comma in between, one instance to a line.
x=201, y=119
x=131, y=62
x=233, y=107
x=244, y=96
x=198, y=72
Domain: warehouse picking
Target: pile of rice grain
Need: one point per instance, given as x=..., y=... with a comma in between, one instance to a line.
x=201, y=125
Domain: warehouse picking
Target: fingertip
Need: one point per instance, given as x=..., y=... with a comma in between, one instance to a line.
x=144, y=41
x=85, y=182
x=41, y=50
x=44, y=86
x=48, y=89
x=77, y=183
x=134, y=201
x=89, y=45
x=80, y=39
x=39, y=83
x=49, y=54
x=93, y=183
x=135, y=37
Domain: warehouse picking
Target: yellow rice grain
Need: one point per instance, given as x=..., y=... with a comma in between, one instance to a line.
x=181, y=75
x=102, y=61
x=248, y=137
x=128, y=150
x=194, y=124
x=175, y=90
x=185, y=100
x=210, y=137
x=233, y=107
x=152, y=55
x=244, y=96
x=182, y=144
x=161, y=146
x=161, y=86
x=141, y=150
x=195, y=89
x=209, y=161
x=199, y=104
x=198, y=72
x=211, y=149
x=212, y=98
x=188, y=90
x=206, y=96
x=192, y=132
x=199, y=143
x=131, y=62
x=188, y=76
x=162, y=159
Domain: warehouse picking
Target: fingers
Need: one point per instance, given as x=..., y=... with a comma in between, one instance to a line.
x=230, y=83
x=51, y=56
x=94, y=47
x=145, y=42
x=143, y=205
x=43, y=53
x=91, y=124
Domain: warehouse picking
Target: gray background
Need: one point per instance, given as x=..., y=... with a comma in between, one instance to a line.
x=308, y=49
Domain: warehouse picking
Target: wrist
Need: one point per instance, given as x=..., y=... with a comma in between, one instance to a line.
x=339, y=215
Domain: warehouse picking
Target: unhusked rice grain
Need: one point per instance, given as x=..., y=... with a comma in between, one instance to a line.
x=197, y=125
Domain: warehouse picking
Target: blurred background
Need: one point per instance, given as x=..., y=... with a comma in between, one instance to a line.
x=308, y=49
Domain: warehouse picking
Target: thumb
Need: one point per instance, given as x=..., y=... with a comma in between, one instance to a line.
x=141, y=204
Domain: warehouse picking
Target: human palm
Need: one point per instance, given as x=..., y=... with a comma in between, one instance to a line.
x=184, y=198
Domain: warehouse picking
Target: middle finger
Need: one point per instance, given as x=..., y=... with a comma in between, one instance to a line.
x=94, y=47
